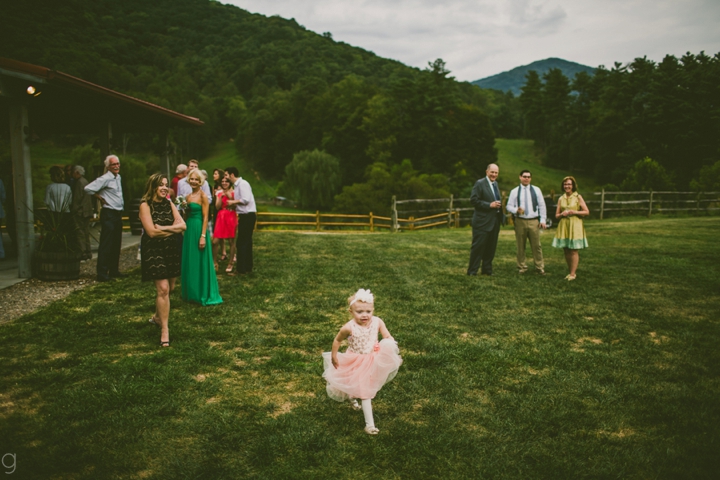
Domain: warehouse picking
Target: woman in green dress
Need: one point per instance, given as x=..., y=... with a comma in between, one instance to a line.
x=570, y=234
x=199, y=281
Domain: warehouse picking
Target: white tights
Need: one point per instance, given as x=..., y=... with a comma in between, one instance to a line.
x=367, y=412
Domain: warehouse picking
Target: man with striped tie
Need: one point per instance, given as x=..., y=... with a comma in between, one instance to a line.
x=526, y=203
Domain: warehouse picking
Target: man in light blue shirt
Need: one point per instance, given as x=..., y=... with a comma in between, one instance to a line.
x=526, y=202
x=107, y=188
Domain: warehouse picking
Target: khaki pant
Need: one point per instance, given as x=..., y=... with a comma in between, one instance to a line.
x=528, y=230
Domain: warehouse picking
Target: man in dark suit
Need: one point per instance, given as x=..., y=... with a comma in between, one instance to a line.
x=486, y=221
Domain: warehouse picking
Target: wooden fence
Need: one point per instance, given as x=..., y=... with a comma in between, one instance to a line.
x=655, y=202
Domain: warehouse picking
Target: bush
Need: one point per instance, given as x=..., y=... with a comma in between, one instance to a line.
x=312, y=179
x=647, y=174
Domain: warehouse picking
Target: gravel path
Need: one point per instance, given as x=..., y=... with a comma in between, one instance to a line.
x=30, y=295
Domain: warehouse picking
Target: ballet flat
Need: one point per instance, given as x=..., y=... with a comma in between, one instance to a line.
x=371, y=430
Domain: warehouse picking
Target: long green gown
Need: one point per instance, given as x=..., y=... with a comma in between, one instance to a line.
x=199, y=280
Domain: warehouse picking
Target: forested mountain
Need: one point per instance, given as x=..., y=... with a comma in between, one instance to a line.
x=513, y=80
x=269, y=83
x=637, y=126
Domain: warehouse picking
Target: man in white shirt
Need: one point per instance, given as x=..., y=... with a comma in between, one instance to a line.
x=184, y=189
x=107, y=188
x=527, y=204
x=247, y=215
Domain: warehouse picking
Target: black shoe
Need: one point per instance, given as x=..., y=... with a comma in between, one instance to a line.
x=105, y=279
x=118, y=275
x=472, y=274
x=487, y=274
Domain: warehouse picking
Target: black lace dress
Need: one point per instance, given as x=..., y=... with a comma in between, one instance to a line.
x=160, y=256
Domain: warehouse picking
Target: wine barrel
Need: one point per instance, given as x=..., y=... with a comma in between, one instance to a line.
x=135, y=223
x=53, y=266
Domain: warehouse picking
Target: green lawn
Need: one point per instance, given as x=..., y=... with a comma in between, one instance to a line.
x=615, y=375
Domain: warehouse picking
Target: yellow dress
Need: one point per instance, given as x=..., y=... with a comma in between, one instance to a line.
x=571, y=230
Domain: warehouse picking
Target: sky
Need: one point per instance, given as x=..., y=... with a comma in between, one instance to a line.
x=480, y=38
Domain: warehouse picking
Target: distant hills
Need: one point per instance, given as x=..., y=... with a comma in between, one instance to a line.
x=514, y=79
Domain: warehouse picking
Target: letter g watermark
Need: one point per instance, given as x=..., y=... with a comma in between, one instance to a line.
x=9, y=464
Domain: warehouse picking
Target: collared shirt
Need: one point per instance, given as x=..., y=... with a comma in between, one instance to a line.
x=184, y=189
x=520, y=196
x=243, y=192
x=109, y=187
x=58, y=197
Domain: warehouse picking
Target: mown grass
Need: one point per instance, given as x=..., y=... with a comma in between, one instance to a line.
x=615, y=375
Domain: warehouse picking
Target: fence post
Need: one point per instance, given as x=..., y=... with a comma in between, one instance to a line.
x=602, y=204
x=457, y=217
x=412, y=222
x=450, y=219
x=372, y=223
x=394, y=216
x=317, y=220
x=651, y=201
x=698, y=201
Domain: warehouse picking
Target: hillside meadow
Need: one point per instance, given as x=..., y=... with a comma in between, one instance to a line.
x=615, y=375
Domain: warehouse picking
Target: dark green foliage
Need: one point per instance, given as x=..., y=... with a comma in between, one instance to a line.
x=382, y=182
x=268, y=83
x=312, y=179
x=647, y=174
x=669, y=112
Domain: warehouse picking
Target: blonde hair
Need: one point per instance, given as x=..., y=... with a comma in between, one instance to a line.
x=199, y=174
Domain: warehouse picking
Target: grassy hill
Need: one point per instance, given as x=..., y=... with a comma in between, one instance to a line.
x=513, y=80
x=515, y=155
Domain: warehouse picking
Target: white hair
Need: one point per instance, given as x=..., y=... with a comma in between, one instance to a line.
x=110, y=157
x=79, y=169
x=181, y=168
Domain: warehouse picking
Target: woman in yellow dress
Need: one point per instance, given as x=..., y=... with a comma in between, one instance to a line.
x=570, y=235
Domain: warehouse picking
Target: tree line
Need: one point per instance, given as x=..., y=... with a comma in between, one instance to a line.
x=636, y=126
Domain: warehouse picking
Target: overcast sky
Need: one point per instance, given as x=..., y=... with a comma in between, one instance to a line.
x=479, y=38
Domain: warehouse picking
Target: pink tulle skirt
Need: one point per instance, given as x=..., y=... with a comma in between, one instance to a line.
x=361, y=376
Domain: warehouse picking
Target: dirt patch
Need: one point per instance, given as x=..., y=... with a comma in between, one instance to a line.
x=30, y=295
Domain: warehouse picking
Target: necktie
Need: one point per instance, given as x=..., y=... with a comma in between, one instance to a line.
x=496, y=191
x=526, y=205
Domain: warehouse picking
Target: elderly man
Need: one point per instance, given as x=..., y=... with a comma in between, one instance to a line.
x=487, y=218
x=107, y=188
x=184, y=189
x=527, y=204
x=247, y=214
x=180, y=173
x=82, y=211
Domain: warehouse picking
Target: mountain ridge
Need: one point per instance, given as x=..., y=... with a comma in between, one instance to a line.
x=513, y=80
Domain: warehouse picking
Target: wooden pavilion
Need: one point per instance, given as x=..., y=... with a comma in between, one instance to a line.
x=40, y=101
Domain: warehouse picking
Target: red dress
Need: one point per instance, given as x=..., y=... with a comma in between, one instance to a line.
x=226, y=222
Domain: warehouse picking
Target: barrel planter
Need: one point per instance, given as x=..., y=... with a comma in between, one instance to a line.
x=135, y=223
x=53, y=266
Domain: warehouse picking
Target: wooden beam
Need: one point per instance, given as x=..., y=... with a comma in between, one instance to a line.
x=22, y=185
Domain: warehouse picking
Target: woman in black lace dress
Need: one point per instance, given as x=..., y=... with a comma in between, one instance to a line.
x=159, y=248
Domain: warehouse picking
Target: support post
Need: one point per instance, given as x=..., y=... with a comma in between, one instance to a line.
x=165, y=138
x=22, y=186
x=651, y=202
x=450, y=209
x=602, y=204
x=372, y=223
x=394, y=215
x=317, y=220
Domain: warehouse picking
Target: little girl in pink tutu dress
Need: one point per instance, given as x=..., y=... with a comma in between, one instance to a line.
x=367, y=364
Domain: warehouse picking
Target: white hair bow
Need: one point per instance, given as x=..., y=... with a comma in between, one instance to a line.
x=364, y=296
